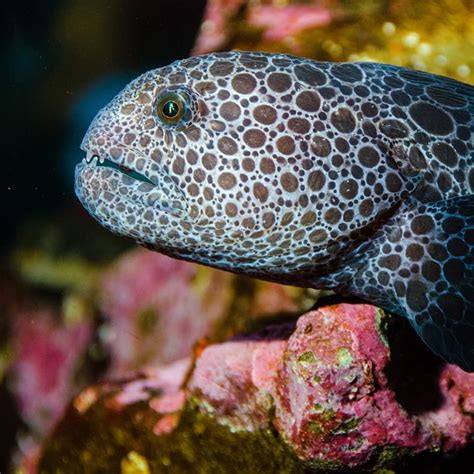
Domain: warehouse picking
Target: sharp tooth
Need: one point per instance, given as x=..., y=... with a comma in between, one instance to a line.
x=94, y=161
x=101, y=160
x=89, y=156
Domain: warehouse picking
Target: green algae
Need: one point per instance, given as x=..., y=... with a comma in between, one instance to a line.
x=101, y=441
x=307, y=358
x=381, y=324
x=344, y=357
x=147, y=319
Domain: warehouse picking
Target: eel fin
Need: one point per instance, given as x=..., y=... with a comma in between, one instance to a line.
x=423, y=264
x=438, y=299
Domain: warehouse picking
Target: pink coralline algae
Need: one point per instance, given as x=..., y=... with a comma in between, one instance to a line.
x=279, y=24
x=275, y=23
x=46, y=355
x=330, y=389
x=158, y=307
x=346, y=386
x=213, y=33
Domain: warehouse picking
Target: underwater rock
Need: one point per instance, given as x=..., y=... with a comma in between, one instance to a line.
x=347, y=387
x=156, y=308
x=46, y=356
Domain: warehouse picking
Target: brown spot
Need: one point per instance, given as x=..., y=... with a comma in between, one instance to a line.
x=265, y=114
x=279, y=82
x=221, y=68
x=248, y=164
x=416, y=158
x=368, y=156
x=180, y=140
x=205, y=87
x=193, y=133
x=287, y=218
x=178, y=165
x=248, y=222
x=393, y=183
x=129, y=138
x=260, y=192
x=298, y=125
x=332, y=216
x=393, y=128
x=227, y=146
x=244, y=83
x=217, y=125
x=268, y=220
x=310, y=75
x=308, y=218
x=342, y=145
x=227, y=181
x=445, y=153
x=157, y=155
x=289, y=182
x=392, y=262
x=193, y=189
x=231, y=209
x=202, y=107
x=349, y=188
x=267, y=166
x=229, y=111
x=191, y=157
x=208, y=194
x=177, y=78
x=308, y=101
x=254, y=138
x=143, y=98
x=415, y=252
x=422, y=224
x=286, y=145
x=199, y=175
x=209, y=161
x=366, y=207
x=320, y=146
x=343, y=120
x=127, y=109
x=316, y=180
x=318, y=236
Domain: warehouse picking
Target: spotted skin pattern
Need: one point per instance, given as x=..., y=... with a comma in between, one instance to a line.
x=357, y=177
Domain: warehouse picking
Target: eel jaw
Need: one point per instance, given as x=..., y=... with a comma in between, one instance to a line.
x=146, y=189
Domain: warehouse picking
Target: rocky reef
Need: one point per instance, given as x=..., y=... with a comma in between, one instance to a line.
x=346, y=387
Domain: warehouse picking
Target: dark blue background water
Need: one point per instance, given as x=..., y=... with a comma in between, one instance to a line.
x=62, y=61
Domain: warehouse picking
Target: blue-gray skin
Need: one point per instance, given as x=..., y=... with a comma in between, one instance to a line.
x=354, y=177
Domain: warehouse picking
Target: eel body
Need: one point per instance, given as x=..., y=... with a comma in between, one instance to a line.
x=356, y=177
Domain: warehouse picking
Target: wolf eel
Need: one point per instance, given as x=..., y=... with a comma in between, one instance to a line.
x=356, y=177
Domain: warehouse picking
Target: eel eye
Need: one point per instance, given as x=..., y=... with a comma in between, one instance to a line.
x=170, y=108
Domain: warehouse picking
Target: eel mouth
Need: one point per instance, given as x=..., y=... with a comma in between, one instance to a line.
x=93, y=159
x=153, y=188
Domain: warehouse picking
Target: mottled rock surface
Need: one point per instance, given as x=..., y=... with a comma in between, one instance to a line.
x=323, y=395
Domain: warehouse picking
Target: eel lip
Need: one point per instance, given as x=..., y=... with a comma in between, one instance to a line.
x=162, y=191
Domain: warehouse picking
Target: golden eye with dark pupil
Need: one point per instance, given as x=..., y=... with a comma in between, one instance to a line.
x=170, y=109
